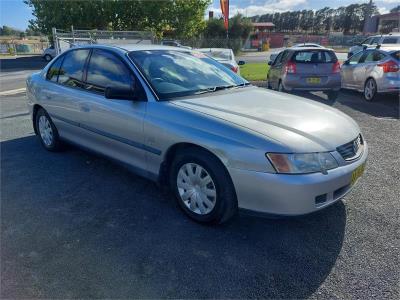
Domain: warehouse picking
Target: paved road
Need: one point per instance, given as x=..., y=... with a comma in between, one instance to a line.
x=74, y=225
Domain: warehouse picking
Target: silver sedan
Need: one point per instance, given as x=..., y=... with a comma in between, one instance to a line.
x=178, y=117
x=372, y=71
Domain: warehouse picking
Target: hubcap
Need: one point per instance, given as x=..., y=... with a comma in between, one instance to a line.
x=369, y=89
x=196, y=188
x=45, y=130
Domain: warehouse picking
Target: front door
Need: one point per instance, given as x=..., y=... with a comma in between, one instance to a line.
x=114, y=126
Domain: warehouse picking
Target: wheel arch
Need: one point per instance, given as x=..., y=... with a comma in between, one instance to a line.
x=35, y=109
x=172, y=152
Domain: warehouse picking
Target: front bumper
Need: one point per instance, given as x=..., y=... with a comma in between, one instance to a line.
x=291, y=195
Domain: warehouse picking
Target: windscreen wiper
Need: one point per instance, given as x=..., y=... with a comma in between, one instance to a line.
x=218, y=88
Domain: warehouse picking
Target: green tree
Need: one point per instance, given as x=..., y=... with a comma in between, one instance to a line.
x=182, y=17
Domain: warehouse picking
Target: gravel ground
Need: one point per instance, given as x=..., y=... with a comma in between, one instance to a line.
x=74, y=225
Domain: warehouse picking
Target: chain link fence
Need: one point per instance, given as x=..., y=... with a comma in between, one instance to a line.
x=22, y=47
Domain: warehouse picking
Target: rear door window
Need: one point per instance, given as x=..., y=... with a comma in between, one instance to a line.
x=71, y=71
x=391, y=40
x=374, y=56
x=375, y=40
x=314, y=56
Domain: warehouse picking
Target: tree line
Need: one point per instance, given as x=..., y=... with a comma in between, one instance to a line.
x=347, y=19
x=185, y=18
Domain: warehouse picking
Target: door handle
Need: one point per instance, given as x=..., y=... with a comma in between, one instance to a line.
x=84, y=108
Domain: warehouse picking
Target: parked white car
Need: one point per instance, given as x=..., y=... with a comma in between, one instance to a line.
x=373, y=41
x=223, y=56
x=49, y=53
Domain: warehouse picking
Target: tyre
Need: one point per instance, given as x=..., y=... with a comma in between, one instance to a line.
x=46, y=131
x=269, y=86
x=281, y=88
x=370, y=90
x=202, y=186
x=47, y=57
x=332, y=95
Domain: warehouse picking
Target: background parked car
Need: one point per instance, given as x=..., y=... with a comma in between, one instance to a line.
x=303, y=45
x=49, y=53
x=224, y=56
x=174, y=43
x=373, y=41
x=306, y=69
x=372, y=71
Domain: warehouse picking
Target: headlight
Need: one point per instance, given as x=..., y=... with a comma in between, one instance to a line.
x=301, y=163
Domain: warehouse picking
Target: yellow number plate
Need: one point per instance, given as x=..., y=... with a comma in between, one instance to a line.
x=357, y=173
x=314, y=80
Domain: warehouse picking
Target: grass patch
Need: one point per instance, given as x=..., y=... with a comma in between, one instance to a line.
x=254, y=71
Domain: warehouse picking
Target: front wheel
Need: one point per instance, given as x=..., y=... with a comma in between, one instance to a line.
x=47, y=132
x=202, y=186
x=370, y=90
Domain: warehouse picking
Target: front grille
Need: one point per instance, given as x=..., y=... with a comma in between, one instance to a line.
x=353, y=149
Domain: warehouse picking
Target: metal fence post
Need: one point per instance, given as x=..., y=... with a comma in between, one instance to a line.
x=55, y=40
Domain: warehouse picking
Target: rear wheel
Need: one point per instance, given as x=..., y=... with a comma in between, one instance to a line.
x=47, y=132
x=370, y=89
x=269, y=86
x=202, y=186
x=281, y=88
x=48, y=57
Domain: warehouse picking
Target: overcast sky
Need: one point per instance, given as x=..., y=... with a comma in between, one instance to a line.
x=16, y=14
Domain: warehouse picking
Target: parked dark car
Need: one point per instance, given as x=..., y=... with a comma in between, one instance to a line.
x=306, y=69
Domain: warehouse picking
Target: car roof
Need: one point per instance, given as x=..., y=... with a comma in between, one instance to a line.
x=131, y=47
x=302, y=45
x=213, y=49
x=309, y=48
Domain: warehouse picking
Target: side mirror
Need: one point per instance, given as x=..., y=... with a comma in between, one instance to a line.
x=365, y=47
x=120, y=93
x=241, y=62
x=270, y=63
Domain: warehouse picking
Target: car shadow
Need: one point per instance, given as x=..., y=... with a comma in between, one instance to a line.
x=77, y=225
x=384, y=106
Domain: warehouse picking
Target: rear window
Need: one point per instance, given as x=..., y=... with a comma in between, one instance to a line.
x=314, y=56
x=391, y=40
x=395, y=55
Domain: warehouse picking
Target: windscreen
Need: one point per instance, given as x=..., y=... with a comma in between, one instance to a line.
x=314, y=56
x=174, y=73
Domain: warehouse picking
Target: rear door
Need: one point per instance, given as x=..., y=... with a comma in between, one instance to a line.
x=365, y=67
x=64, y=91
x=114, y=127
x=348, y=70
